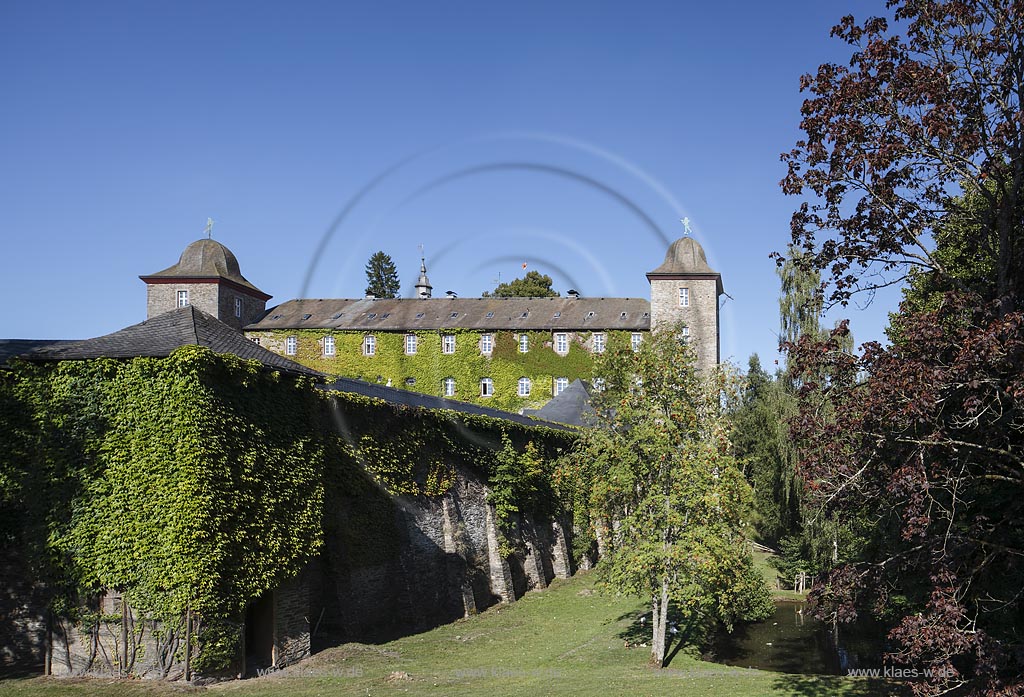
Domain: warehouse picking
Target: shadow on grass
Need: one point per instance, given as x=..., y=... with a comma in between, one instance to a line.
x=820, y=685
x=638, y=633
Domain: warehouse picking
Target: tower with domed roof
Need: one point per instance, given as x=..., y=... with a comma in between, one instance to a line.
x=206, y=276
x=685, y=289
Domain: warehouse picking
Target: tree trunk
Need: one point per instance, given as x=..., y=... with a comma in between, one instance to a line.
x=655, y=629
x=659, y=623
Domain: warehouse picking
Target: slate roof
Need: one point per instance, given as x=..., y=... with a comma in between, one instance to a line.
x=9, y=348
x=404, y=314
x=157, y=337
x=571, y=406
x=685, y=258
x=408, y=398
x=205, y=259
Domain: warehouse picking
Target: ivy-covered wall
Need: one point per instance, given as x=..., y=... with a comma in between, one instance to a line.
x=201, y=482
x=425, y=371
x=189, y=482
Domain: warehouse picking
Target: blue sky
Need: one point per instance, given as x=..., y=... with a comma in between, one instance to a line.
x=570, y=136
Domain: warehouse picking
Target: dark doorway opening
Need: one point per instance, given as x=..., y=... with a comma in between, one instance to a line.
x=259, y=634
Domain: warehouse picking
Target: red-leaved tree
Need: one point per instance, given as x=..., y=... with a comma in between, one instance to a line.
x=913, y=167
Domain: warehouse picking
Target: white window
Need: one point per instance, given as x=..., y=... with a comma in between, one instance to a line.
x=524, y=343
x=486, y=387
x=182, y=298
x=291, y=345
x=599, y=343
x=561, y=343
x=255, y=340
x=447, y=343
x=448, y=387
x=524, y=387
x=411, y=341
x=328, y=345
x=635, y=341
x=684, y=297
x=369, y=345
x=560, y=385
x=597, y=384
x=238, y=307
x=685, y=336
x=486, y=344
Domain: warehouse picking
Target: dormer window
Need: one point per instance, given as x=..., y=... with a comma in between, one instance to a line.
x=490, y=315
x=372, y=315
x=419, y=315
x=306, y=316
x=182, y=298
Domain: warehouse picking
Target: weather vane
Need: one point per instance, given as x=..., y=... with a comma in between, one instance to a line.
x=209, y=228
x=686, y=226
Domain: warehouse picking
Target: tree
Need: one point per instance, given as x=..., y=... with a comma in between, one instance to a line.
x=915, y=155
x=799, y=298
x=662, y=472
x=532, y=285
x=760, y=437
x=895, y=136
x=381, y=276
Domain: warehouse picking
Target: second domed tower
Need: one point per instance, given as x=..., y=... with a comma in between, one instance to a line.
x=685, y=289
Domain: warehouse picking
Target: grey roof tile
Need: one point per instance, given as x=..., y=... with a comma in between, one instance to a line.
x=406, y=314
x=158, y=336
x=408, y=398
x=571, y=406
x=205, y=258
x=12, y=348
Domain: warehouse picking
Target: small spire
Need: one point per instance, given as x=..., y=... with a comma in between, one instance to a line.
x=209, y=228
x=423, y=287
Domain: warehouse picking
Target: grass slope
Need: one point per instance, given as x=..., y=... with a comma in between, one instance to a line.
x=566, y=640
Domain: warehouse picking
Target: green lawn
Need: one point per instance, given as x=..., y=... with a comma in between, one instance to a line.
x=762, y=560
x=566, y=640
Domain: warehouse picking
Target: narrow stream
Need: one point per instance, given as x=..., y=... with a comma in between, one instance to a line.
x=791, y=641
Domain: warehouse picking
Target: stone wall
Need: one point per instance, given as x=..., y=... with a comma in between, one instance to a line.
x=213, y=298
x=163, y=297
x=110, y=639
x=701, y=316
x=22, y=617
x=447, y=565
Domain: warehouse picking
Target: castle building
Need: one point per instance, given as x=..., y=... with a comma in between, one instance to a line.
x=509, y=353
x=207, y=277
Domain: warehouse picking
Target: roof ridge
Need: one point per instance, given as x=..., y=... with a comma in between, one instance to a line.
x=195, y=329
